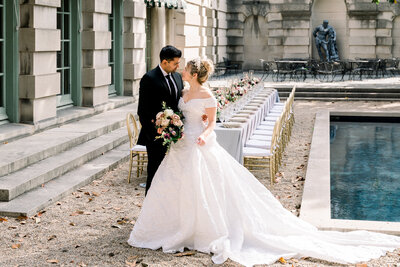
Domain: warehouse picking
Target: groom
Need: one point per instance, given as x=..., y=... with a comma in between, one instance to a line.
x=161, y=84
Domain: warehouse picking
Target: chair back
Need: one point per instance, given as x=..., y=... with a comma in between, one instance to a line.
x=276, y=134
x=226, y=61
x=291, y=100
x=133, y=127
x=291, y=95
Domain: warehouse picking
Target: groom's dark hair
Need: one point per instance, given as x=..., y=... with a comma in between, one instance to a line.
x=169, y=52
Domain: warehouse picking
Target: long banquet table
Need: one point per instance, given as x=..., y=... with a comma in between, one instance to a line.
x=233, y=139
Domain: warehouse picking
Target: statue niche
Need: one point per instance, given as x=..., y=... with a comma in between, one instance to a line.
x=255, y=33
x=325, y=39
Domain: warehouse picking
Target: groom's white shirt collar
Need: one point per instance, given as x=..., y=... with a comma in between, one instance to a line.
x=162, y=70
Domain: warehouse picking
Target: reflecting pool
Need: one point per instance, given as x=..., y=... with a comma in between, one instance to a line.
x=365, y=169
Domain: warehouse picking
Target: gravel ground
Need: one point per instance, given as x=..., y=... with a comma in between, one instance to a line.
x=90, y=227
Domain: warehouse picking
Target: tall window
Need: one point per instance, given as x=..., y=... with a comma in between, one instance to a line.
x=64, y=56
x=2, y=61
x=111, y=55
x=115, y=57
x=148, y=39
x=9, y=61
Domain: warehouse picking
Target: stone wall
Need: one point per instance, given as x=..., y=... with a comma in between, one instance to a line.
x=271, y=29
x=201, y=30
x=96, y=43
x=395, y=37
x=235, y=20
x=39, y=41
x=134, y=45
x=242, y=30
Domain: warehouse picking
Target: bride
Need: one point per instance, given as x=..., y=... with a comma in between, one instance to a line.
x=203, y=199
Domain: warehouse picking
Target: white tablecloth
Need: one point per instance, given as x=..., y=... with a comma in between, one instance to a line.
x=233, y=139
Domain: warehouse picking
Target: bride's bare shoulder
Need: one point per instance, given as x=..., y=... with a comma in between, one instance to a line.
x=206, y=92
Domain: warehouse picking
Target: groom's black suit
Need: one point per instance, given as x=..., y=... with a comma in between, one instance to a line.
x=152, y=92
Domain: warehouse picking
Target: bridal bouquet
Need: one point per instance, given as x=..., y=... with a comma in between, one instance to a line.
x=169, y=126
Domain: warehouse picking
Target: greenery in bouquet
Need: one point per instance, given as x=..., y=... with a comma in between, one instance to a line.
x=169, y=126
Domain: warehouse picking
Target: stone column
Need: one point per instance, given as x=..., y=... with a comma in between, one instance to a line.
x=371, y=29
x=235, y=24
x=296, y=25
x=211, y=36
x=221, y=31
x=188, y=30
x=384, y=38
x=199, y=32
x=170, y=27
x=276, y=34
x=134, y=45
x=202, y=30
x=395, y=33
x=96, y=43
x=39, y=41
x=158, y=33
x=362, y=39
x=362, y=29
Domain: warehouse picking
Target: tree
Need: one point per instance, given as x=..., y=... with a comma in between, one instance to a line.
x=390, y=1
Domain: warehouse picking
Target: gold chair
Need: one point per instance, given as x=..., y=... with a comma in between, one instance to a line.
x=137, y=151
x=257, y=159
x=280, y=141
x=291, y=111
x=288, y=118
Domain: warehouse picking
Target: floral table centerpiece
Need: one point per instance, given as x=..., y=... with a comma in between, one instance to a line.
x=225, y=96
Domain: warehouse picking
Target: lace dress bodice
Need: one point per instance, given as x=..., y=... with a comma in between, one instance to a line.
x=193, y=110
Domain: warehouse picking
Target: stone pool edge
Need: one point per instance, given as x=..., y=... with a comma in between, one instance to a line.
x=315, y=204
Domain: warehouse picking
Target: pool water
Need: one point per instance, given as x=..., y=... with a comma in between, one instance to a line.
x=365, y=170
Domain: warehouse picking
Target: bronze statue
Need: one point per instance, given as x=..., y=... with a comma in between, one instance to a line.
x=325, y=38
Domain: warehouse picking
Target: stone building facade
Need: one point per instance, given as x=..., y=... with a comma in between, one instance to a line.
x=62, y=53
x=199, y=30
x=271, y=29
x=57, y=54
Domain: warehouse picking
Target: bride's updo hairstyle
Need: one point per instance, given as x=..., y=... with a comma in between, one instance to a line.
x=203, y=68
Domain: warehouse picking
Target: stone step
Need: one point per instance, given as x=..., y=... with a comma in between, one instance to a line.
x=18, y=182
x=40, y=197
x=319, y=94
x=13, y=131
x=26, y=151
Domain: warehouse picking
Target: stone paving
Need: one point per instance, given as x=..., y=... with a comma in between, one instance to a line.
x=91, y=225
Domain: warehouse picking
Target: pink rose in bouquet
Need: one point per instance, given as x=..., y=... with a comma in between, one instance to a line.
x=169, y=126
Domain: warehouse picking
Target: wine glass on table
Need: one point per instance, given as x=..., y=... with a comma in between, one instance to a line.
x=251, y=73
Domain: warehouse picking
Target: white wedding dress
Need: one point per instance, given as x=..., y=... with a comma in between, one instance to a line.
x=203, y=199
